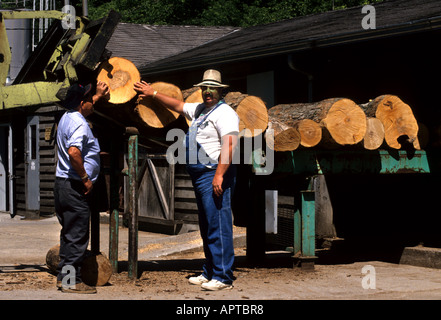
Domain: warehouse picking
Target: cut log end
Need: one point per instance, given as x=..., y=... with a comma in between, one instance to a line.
x=346, y=122
x=310, y=132
x=288, y=140
x=120, y=75
x=253, y=115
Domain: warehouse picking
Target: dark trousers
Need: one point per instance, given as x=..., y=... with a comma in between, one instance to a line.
x=73, y=210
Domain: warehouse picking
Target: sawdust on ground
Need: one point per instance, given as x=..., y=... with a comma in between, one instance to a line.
x=165, y=278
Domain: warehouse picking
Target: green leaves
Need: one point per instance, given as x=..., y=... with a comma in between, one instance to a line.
x=239, y=13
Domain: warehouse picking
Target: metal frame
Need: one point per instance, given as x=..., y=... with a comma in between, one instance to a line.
x=310, y=163
x=77, y=48
x=38, y=92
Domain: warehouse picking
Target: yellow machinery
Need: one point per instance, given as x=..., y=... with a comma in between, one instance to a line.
x=64, y=56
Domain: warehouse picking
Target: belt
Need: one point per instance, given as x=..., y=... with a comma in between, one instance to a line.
x=67, y=179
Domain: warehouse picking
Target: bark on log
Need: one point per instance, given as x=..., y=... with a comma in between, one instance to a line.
x=120, y=75
x=374, y=137
x=280, y=137
x=96, y=270
x=397, y=118
x=344, y=120
x=192, y=95
x=152, y=113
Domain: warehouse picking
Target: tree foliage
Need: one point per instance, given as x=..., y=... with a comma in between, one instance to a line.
x=239, y=13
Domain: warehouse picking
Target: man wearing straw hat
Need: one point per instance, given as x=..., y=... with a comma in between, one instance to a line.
x=210, y=143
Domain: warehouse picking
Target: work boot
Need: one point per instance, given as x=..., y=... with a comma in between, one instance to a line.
x=78, y=288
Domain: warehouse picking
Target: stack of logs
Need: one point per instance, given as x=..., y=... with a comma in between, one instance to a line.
x=330, y=123
x=381, y=123
x=151, y=118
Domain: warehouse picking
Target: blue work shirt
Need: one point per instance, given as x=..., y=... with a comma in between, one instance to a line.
x=74, y=131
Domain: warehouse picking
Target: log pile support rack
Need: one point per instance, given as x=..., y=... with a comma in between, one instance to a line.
x=131, y=171
x=306, y=165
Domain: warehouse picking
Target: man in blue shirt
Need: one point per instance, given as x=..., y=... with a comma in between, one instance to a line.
x=77, y=169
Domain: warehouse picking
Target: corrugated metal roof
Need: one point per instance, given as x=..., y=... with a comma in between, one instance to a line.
x=143, y=44
x=302, y=33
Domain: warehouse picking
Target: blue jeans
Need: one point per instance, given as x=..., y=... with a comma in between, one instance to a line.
x=215, y=221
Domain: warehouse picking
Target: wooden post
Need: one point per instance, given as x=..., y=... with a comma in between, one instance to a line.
x=133, y=203
x=114, y=205
x=297, y=248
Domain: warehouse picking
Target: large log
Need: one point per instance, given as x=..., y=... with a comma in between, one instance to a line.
x=252, y=113
x=397, y=118
x=120, y=75
x=343, y=119
x=152, y=113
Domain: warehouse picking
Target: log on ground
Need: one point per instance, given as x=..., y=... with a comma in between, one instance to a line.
x=96, y=269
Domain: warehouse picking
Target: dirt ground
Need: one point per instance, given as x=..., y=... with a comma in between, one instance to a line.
x=164, y=278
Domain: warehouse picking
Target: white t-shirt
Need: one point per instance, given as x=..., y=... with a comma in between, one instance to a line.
x=224, y=120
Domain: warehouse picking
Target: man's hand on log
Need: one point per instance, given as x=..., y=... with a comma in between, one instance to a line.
x=102, y=89
x=143, y=88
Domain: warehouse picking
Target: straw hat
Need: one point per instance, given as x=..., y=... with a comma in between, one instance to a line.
x=212, y=78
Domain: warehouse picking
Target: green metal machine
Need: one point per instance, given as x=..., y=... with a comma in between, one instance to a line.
x=64, y=56
x=304, y=166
